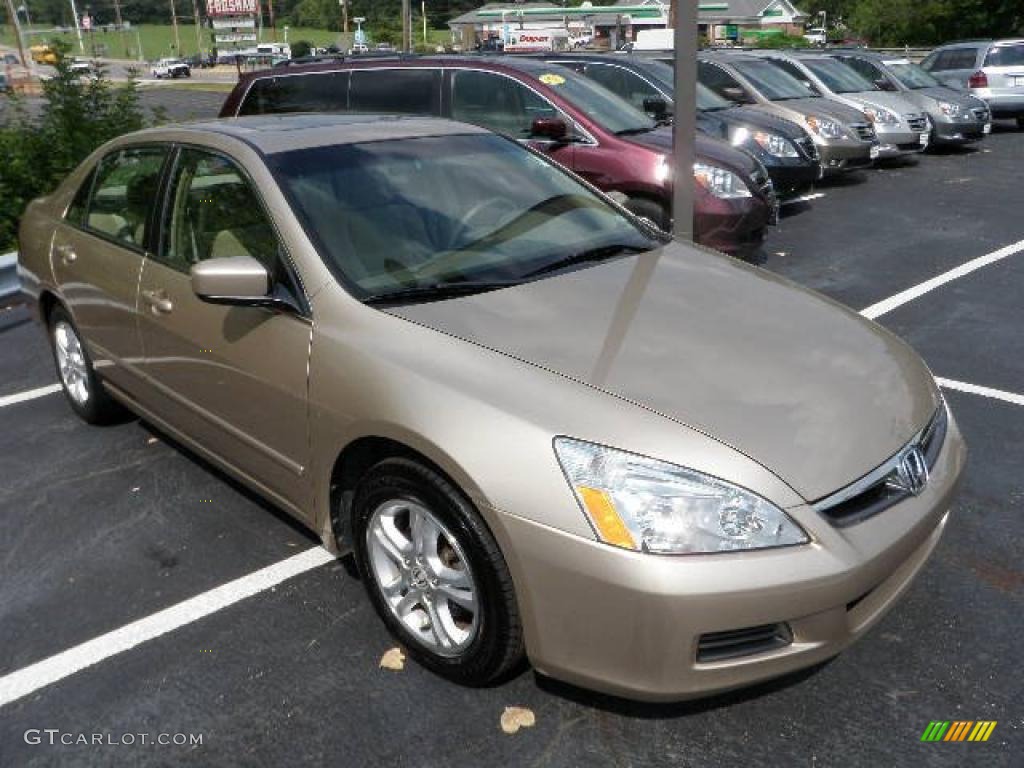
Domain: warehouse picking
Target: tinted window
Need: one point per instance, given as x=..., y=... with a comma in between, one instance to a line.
x=314, y=92
x=215, y=212
x=405, y=91
x=1005, y=56
x=864, y=68
x=716, y=78
x=838, y=77
x=497, y=103
x=400, y=214
x=628, y=85
x=124, y=194
x=954, y=58
x=76, y=211
x=911, y=75
x=599, y=104
x=795, y=72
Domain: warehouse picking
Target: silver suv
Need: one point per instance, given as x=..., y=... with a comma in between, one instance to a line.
x=903, y=128
x=991, y=70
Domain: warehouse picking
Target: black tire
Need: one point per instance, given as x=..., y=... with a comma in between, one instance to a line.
x=650, y=210
x=497, y=646
x=99, y=407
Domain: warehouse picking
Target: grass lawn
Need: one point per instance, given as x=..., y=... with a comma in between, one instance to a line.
x=157, y=40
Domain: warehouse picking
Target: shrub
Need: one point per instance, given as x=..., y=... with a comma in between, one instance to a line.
x=78, y=115
x=301, y=48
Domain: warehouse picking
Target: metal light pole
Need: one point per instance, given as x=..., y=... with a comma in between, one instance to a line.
x=78, y=28
x=684, y=123
x=195, y=19
x=423, y=13
x=177, y=37
x=406, y=27
x=17, y=32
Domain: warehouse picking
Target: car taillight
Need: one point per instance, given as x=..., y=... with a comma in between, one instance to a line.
x=978, y=80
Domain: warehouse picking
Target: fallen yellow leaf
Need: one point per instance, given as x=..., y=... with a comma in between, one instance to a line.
x=514, y=718
x=393, y=659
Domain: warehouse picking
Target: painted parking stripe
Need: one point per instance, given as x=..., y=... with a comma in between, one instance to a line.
x=48, y=671
x=31, y=394
x=803, y=198
x=893, y=302
x=974, y=389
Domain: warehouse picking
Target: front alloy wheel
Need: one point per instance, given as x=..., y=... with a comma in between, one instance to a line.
x=71, y=362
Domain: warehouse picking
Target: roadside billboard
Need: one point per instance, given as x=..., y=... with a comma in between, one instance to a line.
x=231, y=7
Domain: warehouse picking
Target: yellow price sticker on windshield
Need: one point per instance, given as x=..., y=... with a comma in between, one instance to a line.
x=552, y=79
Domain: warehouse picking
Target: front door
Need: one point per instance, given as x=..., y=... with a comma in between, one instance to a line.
x=98, y=252
x=232, y=377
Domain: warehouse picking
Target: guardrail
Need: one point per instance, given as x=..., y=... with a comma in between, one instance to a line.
x=9, y=284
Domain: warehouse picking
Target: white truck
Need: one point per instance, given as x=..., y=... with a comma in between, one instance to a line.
x=170, y=68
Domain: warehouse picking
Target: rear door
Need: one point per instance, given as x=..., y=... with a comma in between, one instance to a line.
x=98, y=251
x=507, y=106
x=1004, y=67
x=233, y=378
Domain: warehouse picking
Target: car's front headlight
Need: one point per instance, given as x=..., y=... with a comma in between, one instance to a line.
x=881, y=115
x=825, y=127
x=720, y=182
x=651, y=506
x=949, y=109
x=772, y=143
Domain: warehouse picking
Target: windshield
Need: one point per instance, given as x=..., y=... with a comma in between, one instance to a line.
x=408, y=214
x=911, y=75
x=1005, y=56
x=773, y=82
x=613, y=113
x=838, y=77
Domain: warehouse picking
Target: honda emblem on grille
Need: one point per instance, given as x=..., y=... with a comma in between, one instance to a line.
x=913, y=470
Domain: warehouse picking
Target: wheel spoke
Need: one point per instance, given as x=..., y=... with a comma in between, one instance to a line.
x=409, y=601
x=424, y=533
x=464, y=598
x=391, y=548
x=437, y=626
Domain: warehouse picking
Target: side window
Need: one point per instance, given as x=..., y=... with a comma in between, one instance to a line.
x=792, y=69
x=965, y=58
x=76, y=211
x=498, y=103
x=717, y=79
x=215, y=212
x=313, y=92
x=401, y=91
x=863, y=67
x=124, y=193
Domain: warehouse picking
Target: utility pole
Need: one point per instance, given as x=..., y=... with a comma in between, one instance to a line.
x=344, y=16
x=406, y=27
x=273, y=26
x=684, y=126
x=195, y=18
x=17, y=32
x=177, y=37
x=423, y=13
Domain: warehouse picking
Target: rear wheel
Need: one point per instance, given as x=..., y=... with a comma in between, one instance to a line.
x=78, y=379
x=435, y=574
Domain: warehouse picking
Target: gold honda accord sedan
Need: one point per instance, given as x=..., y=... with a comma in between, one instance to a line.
x=544, y=428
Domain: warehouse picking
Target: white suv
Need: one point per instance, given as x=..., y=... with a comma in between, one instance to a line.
x=993, y=71
x=171, y=68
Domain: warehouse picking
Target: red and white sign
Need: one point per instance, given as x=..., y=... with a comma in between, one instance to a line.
x=522, y=41
x=231, y=7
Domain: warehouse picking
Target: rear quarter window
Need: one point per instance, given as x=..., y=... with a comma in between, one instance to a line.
x=396, y=91
x=1006, y=56
x=311, y=92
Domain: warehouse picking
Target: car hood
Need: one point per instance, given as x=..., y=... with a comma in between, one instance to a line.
x=705, y=148
x=822, y=107
x=929, y=96
x=756, y=118
x=896, y=102
x=815, y=393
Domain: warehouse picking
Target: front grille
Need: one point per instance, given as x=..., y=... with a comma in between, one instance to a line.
x=805, y=146
x=735, y=643
x=879, y=490
x=864, y=131
x=981, y=114
x=918, y=123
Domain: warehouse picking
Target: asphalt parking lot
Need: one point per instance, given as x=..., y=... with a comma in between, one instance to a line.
x=106, y=527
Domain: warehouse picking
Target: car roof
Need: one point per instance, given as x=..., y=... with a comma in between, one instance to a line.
x=271, y=134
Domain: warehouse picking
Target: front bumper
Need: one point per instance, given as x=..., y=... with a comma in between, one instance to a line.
x=840, y=156
x=899, y=142
x=630, y=624
x=736, y=227
x=959, y=131
x=793, y=176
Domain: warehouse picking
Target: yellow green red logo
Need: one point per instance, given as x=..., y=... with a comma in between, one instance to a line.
x=958, y=730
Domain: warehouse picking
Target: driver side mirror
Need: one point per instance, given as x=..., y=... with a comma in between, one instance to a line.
x=884, y=84
x=551, y=128
x=656, y=107
x=736, y=94
x=238, y=280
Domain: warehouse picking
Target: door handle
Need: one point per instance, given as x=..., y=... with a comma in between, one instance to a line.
x=67, y=254
x=158, y=301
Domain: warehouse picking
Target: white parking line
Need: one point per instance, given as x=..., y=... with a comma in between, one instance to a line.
x=974, y=389
x=888, y=305
x=804, y=198
x=48, y=671
x=31, y=394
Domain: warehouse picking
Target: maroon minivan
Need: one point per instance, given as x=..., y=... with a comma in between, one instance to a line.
x=570, y=119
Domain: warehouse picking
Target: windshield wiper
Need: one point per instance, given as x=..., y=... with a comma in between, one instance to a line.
x=593, y=254
x=437, y=291
x=636, y=131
